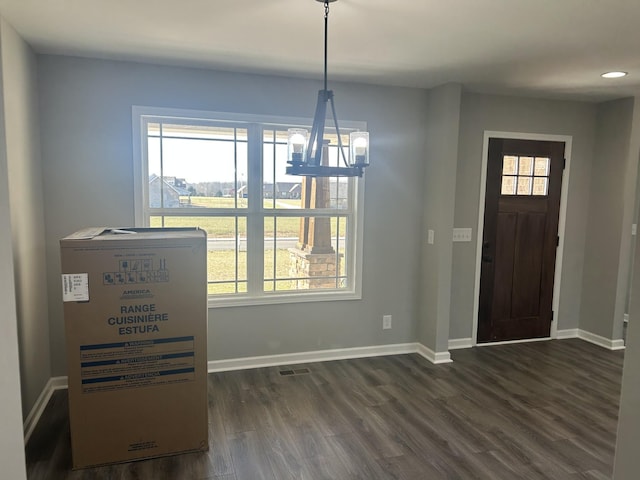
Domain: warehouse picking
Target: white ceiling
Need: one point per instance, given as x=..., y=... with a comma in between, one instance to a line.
x=547, y=48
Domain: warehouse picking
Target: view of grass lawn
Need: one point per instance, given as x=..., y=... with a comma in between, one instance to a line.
x=216, y=202
x=230, y=202
x=216, y=227
x=221, y=267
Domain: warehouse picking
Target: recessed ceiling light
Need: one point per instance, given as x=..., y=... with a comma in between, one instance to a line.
x=614, y=74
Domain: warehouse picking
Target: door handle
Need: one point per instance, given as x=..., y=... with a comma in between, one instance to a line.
x=487, y=258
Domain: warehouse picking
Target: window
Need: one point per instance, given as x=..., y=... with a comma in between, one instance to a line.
x=525, y=175
x=270, y=236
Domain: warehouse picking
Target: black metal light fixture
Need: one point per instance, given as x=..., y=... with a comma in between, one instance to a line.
x=305, y=151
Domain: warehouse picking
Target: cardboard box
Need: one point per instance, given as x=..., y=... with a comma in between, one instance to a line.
x=135, y=310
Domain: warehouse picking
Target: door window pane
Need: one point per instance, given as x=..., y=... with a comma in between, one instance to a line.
x=542, y=167
x=524, y=186
x=508, y=185
x=540, y=186
x=510, y=165
x=525, y=166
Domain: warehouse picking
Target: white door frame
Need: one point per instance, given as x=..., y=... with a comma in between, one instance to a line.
x=567, y=139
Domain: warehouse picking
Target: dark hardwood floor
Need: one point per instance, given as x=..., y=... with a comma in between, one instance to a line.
x=544, y=410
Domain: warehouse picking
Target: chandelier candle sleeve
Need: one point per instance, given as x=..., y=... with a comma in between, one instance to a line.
x=359, y=146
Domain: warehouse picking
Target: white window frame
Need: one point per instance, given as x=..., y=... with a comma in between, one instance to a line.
x=354, y=240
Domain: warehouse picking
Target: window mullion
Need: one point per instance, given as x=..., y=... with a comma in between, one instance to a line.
x=144, y=166
x=355, y=228
x=255, y=216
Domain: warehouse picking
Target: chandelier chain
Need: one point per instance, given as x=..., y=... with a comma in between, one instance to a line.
x=329, y=95
x=326, y=33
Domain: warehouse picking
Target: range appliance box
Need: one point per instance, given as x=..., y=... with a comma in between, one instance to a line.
x=135, y=312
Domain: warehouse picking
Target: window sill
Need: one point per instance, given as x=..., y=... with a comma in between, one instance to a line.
x=246, y=301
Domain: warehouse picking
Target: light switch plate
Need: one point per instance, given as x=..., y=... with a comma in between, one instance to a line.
x=461, y=234
x=430, y=237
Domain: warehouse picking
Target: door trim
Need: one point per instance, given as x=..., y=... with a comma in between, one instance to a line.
x=567, y=139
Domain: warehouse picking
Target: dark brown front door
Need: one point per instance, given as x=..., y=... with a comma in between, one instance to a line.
x=522, y=204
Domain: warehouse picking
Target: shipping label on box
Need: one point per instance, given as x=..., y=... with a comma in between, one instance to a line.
x=75, y=287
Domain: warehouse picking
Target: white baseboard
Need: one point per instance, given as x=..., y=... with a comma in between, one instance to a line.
x=512, y=342
x=434, y=357
x=588, y=337
x=459, y=343
x=601, y=341
x=568, y=333
x=308, y=357
x=54, y=383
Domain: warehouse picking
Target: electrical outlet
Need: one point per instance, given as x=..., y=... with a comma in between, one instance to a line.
x=430, y=236
x=386, y=322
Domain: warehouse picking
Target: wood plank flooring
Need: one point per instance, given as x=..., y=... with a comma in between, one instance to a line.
x=544, y=410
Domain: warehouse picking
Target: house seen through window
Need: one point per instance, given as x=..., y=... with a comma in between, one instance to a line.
x=269, y=234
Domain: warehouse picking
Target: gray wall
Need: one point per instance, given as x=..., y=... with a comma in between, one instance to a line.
x=87, y=156
x=11, y=446
x=629, y=217
x=626, y=461
x=512, y=114
x=27, y=217
x=441, y=153
x=605, y=230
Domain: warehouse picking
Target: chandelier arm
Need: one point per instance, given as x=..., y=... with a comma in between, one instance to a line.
x=335, y=121
x=317, y=129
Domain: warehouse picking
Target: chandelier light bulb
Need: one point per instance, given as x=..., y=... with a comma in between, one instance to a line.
x=297, y=144
x=359, y=146
x=617, y=74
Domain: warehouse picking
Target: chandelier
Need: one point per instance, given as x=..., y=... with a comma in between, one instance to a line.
x=305, y=150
